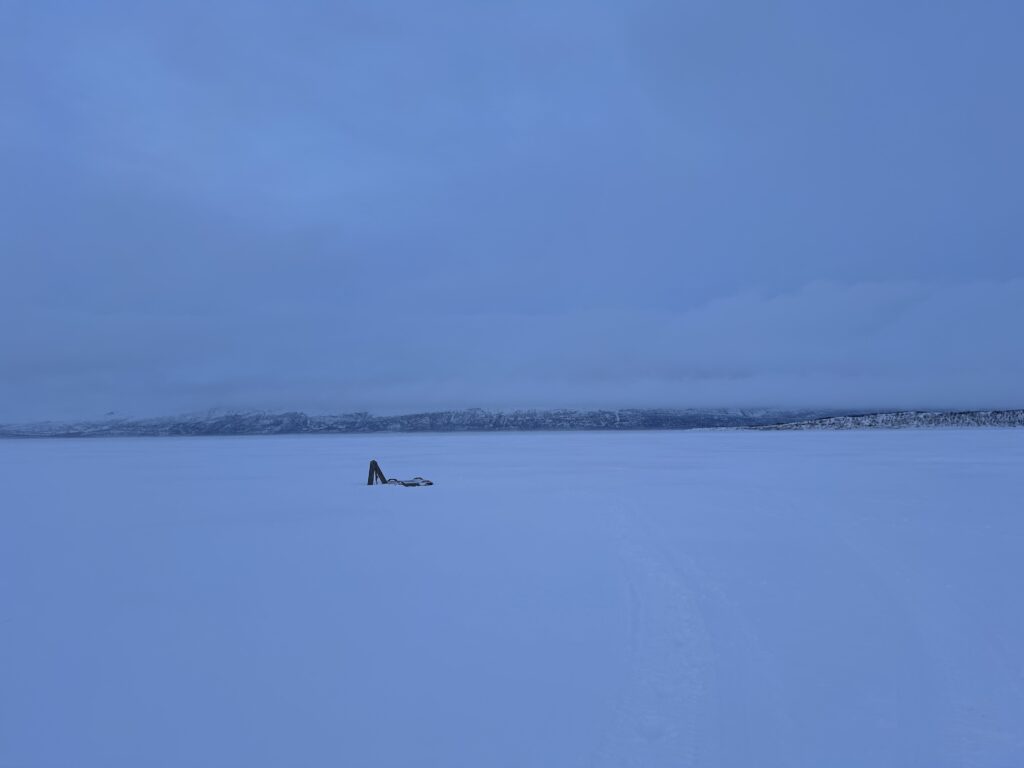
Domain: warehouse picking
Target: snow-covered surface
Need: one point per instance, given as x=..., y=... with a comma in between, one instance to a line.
x=582, y=599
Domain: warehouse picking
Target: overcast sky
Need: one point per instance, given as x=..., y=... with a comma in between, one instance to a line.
x=391, y=206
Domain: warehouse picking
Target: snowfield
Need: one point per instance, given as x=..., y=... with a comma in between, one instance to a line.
x=574, y=599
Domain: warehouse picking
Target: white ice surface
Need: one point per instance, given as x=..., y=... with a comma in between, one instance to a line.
x=602, y=599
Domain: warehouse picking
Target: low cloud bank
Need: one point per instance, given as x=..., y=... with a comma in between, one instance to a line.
x=859, y=346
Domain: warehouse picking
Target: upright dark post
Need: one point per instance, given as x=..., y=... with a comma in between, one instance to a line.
x=375, y=474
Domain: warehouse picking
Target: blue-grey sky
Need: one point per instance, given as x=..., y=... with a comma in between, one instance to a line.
x=393, y=205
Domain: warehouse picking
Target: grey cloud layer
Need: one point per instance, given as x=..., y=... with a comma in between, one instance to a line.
x=540, y=204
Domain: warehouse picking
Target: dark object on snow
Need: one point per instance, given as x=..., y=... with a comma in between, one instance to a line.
x=377, y=476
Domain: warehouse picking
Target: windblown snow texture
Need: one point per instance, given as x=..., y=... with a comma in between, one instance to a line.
x=652, y=599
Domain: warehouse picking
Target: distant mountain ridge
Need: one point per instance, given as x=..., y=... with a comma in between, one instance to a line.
x=471, y=420
x=479, y=420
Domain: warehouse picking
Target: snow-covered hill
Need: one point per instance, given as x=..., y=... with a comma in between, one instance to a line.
x=912, y=420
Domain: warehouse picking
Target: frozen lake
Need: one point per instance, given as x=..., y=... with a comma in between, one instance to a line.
x=576, y=599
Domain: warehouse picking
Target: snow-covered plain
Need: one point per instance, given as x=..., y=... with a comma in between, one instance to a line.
x=581, y=599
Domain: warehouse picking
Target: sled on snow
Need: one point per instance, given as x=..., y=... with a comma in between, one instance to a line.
x=377, y=476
